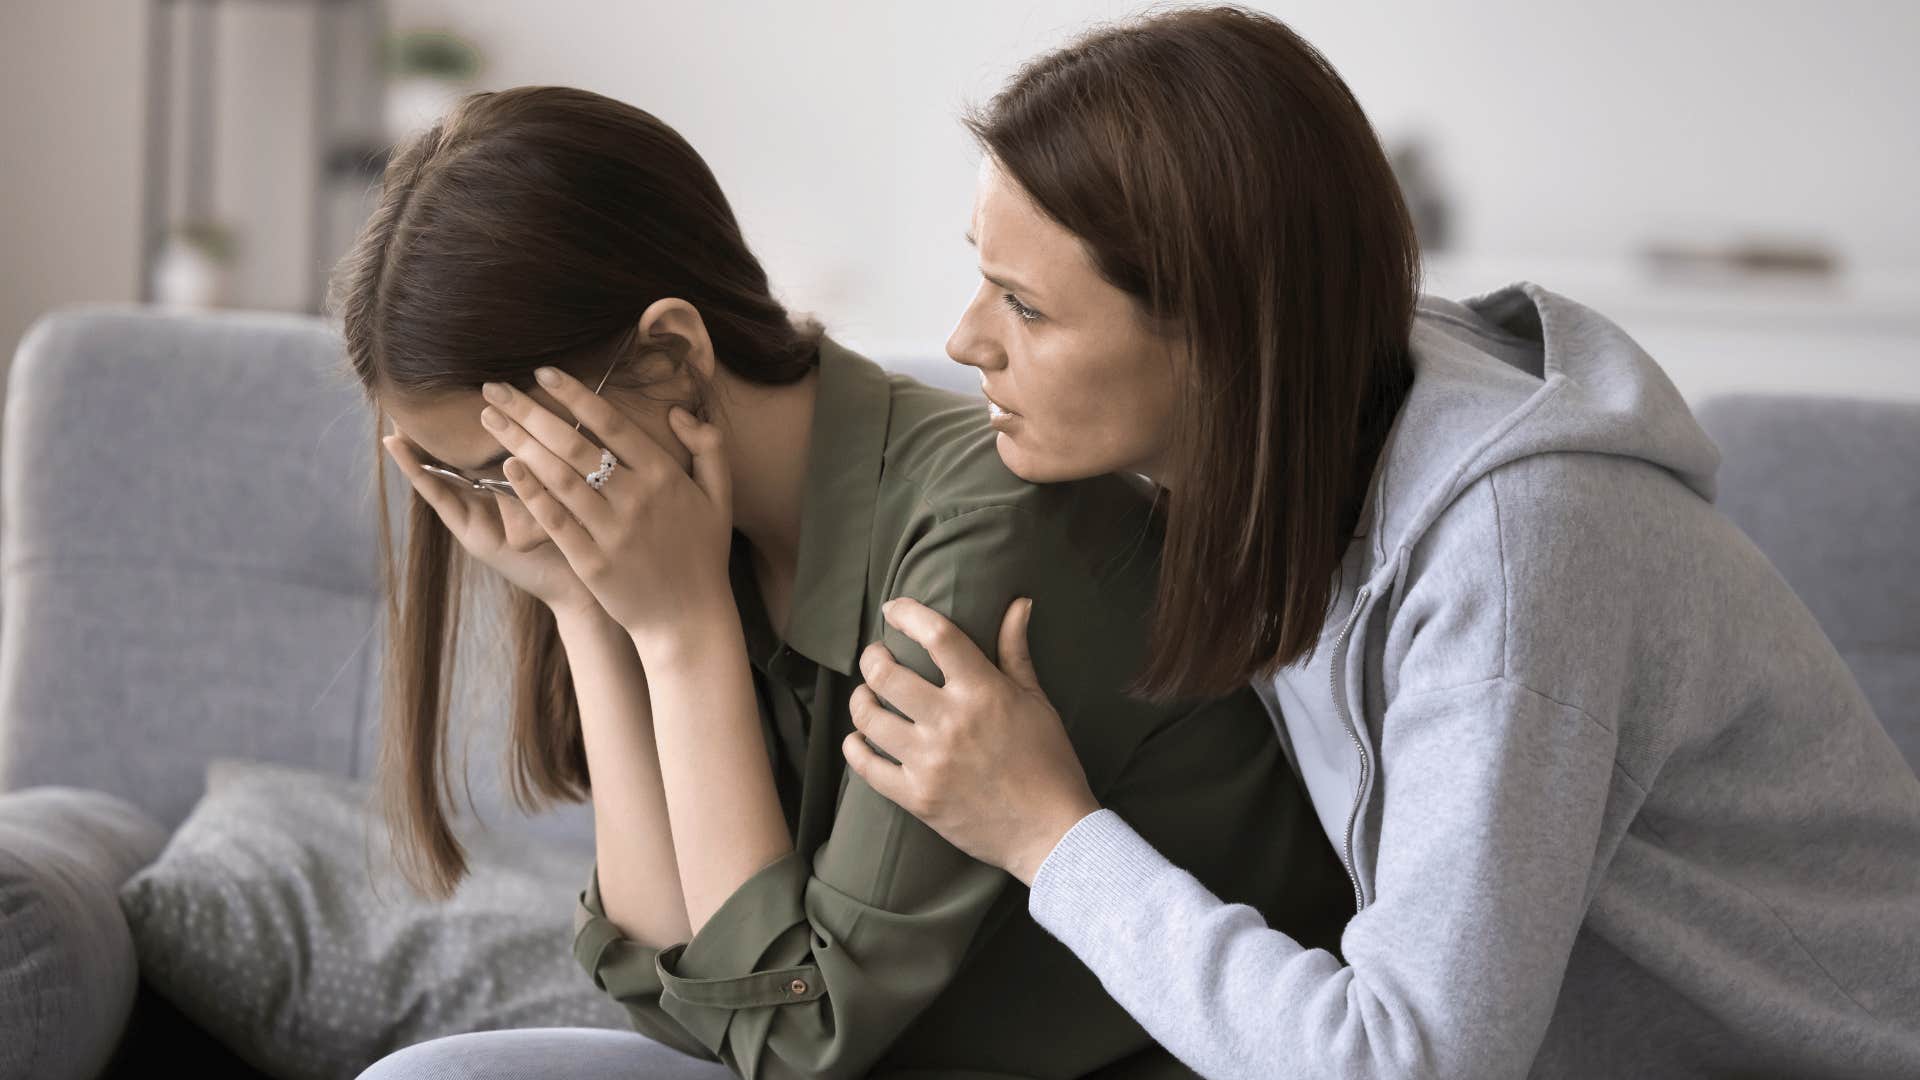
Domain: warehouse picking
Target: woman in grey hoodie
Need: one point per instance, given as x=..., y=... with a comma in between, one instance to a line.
x=1610, y=802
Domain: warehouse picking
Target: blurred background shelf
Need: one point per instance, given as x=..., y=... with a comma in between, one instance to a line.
x=1852, y=332
x=1849, y=301
x=262, y=130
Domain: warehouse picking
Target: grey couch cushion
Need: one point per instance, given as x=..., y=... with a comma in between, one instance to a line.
x=275, y=920
x=67, y=965
x=1829, y=489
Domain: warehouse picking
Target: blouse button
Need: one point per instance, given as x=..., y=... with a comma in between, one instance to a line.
x=798, y=986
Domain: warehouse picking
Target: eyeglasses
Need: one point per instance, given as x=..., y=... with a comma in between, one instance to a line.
x=487, y=483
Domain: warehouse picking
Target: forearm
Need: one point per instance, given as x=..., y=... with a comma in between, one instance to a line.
x=1454, y=966
x=633, y=846
x=720, y=795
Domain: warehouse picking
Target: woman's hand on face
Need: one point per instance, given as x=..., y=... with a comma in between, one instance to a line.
x=474, y=520
x=652, y=544
x=984, y=760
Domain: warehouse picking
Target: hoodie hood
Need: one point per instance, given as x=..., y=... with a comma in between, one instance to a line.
x=1515, y=372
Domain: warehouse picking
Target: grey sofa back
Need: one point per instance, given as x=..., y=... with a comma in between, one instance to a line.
x=188, y=559
x=188, y=566
x=1829, y=489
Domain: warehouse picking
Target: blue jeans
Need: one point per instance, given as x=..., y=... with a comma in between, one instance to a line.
x=575, y=1053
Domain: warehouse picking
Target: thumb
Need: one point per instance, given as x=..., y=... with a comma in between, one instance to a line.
x=1015, y=660
x=709, y=455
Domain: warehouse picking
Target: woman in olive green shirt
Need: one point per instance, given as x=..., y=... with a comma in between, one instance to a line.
x=708, y=584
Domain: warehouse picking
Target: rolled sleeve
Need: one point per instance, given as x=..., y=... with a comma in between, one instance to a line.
x=731, y=964
x=817, y=963
x=627, y=971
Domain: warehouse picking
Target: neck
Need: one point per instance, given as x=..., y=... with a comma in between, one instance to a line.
x=768, y=432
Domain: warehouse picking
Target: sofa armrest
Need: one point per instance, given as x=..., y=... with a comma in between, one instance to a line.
x=68, y=972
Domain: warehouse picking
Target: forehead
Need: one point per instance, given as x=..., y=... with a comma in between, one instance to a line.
x=1013, y=234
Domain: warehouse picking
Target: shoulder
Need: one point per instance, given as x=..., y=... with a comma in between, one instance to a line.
x=1546, y=571
x=944, y=481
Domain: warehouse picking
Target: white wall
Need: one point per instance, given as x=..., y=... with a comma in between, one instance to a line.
x=70, y=155
x=1569, y=131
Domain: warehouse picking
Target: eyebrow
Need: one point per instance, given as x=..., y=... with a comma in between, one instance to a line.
x=1007, y=284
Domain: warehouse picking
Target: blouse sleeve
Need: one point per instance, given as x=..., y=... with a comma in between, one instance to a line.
x=815, y=965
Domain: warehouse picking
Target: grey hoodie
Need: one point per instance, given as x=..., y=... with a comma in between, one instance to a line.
x=1611, y=802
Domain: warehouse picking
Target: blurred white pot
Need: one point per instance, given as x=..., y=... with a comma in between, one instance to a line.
x=414, y=102
x=186, y=276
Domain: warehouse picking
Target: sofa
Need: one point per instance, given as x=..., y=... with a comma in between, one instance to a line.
x=188, y=571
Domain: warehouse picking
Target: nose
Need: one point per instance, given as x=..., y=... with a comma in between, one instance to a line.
x=973, y=342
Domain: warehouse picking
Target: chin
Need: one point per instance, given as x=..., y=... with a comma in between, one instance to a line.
x=1038, y=468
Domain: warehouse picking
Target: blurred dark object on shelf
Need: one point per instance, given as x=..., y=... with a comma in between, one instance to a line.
x=366, y=160
x=1743, y=258
x=1426, y=195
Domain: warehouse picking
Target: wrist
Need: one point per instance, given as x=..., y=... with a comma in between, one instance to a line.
x=585, y=618
x=678, y=645
x=1027, y=865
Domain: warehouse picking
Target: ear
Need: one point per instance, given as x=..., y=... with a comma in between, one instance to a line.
x=674, y=317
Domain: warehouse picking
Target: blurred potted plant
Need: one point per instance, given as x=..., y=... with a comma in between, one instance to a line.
x=428, y=70
x=194, y=266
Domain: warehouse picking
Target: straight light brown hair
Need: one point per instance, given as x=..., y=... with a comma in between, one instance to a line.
x=529, y=226
x=1218, y=171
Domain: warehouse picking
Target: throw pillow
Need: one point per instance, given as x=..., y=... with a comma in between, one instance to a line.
x=276, y=919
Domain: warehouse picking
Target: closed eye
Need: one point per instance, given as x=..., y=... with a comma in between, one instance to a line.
x=1018, y=308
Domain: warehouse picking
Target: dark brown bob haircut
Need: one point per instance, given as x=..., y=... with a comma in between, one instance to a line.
x=1219, y=171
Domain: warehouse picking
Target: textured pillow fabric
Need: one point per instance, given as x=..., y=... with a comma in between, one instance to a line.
x=276, y=920
x=67, y=968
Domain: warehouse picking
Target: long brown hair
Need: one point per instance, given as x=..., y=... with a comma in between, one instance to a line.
x=529, y=226
x=1219, y=171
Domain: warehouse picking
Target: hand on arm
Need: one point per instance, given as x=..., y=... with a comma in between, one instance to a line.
x=984, y=759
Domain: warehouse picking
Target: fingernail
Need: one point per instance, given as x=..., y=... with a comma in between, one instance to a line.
x=494, y=392
x=492, y=419
x=547, y=376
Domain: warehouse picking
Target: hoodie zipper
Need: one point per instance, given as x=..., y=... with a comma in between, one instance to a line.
x=1333, y=690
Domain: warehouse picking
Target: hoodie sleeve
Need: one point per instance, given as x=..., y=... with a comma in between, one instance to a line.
x=1491, y=818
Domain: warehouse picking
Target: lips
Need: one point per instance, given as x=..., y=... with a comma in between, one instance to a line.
x=994, y=408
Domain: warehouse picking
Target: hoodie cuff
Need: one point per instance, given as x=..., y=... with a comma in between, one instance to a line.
x=1090, y=883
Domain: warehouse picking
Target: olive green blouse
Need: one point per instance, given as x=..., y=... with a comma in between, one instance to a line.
x=875, y=947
